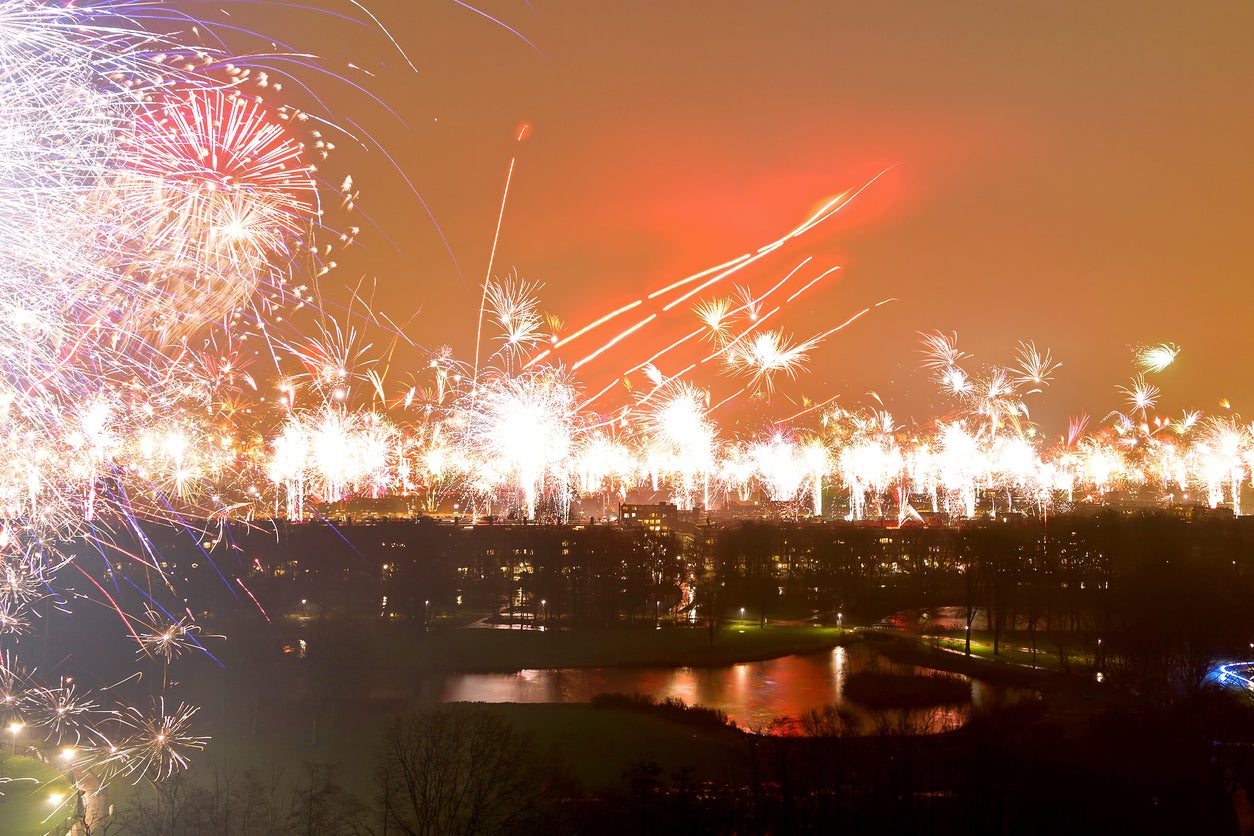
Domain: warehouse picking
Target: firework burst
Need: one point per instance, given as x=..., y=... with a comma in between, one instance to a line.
x=154, y=743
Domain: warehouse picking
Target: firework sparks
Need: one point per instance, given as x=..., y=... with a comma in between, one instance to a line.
x=152, y=202
x=1156, y=358
x=154, y=743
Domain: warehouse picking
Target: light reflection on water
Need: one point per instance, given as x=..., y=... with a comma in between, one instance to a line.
x=752, y=694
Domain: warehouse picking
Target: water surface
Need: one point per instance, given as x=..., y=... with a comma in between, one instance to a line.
x=752, y=694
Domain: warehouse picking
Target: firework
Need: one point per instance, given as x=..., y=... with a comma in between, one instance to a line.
x=64, y=714
x=154, y=743
x=524, y=437
x=680, y=443
x=150, y=201
x=513, y=305
x=166, y=638
x=521, y=433
x=1156, y=358
x=156, y=211
x=219, y=197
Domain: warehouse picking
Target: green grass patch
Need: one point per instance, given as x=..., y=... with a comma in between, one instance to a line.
x=480, y=650
x=37, y=798
x=1016, y=650
x=596, y=744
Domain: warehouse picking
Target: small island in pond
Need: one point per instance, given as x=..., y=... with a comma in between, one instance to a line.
x=888, y=690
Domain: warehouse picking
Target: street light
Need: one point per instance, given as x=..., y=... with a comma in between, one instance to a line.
x=14, y=728
x=840, y=619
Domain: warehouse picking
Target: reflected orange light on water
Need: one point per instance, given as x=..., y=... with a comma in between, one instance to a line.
x=751, y=694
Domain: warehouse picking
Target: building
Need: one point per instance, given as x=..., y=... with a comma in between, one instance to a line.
x=661, y=518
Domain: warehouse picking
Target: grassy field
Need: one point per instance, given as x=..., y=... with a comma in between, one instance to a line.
x=1016, y=650
x=599, y=743
x=594, y=744
x=486, y=650
x=36, y=799
x=1013, y=664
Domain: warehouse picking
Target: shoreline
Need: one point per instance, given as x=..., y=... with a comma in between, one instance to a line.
x=451, y=652
x=916, y=651
x=463, y=650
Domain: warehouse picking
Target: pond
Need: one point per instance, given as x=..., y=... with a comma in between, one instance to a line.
x=752, y=694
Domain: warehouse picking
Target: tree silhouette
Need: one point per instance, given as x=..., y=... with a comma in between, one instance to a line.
x=447, y=771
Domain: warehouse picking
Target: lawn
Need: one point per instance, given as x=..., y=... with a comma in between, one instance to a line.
x=36, y=798
x=1013, y=664
x=599, y=743
x=487, y=650
x=1016, y=650
x=595, y=744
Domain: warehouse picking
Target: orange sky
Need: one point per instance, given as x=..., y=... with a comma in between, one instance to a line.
x=1074, y=173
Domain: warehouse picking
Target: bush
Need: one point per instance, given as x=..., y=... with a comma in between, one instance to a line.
x=885, y=690
x=670, y=708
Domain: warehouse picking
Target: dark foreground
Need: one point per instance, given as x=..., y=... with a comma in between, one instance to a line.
x=1078, y=763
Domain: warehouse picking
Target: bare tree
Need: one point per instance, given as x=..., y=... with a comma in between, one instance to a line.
x=234, y=804
x=828, y=721
x=457, y=770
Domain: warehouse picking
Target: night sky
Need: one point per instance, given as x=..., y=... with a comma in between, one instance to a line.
x=1073, y=173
